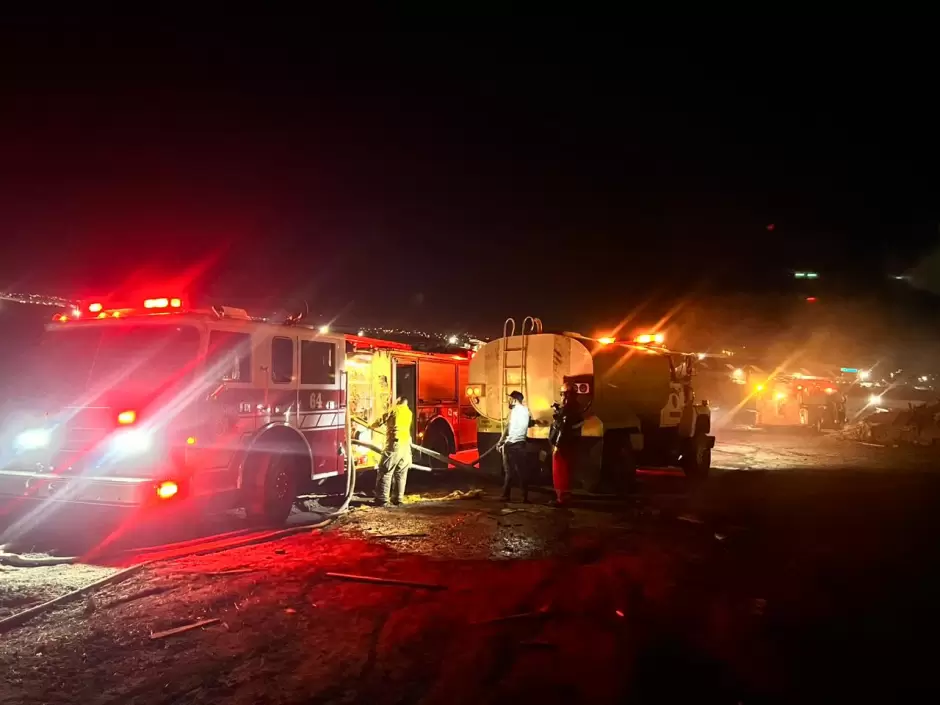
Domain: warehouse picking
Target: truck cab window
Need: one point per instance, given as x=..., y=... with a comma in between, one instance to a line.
x=229, y=356
x=282, y=360
x=317, y=362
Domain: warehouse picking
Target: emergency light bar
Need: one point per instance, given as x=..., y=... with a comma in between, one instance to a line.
x=115, y=308
x=650, y=339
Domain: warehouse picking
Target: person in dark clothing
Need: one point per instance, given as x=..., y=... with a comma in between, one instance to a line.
x=566, y=424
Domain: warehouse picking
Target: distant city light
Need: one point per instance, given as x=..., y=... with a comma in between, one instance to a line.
x=806, y=275
x=452, y=340
x=864, y=374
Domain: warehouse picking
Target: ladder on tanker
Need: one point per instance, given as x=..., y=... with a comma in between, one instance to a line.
x=513, y=360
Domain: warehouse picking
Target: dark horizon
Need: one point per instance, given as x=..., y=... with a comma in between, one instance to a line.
x=455, y=179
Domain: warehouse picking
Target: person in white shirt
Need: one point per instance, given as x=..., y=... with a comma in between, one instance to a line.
x=513, y=447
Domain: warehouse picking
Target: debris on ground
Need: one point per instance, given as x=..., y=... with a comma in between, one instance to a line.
x=690, y=519
x=465, y=494
x=185, y=628
x=139, y=595
x=916, y=425
x=385, y=581
x=541, y=612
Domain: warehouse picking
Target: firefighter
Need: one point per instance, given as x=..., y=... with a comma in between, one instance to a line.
x=563, y=435
x=393, y=469
x=512, y=445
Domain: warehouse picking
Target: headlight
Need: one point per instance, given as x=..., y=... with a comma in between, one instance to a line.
x=874, y=399
x=131, y=442
x=32, y=439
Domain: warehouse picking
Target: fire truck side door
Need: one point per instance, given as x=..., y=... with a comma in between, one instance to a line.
x=406, y=385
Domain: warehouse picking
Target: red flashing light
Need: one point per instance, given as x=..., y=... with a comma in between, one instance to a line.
x=126, y=418
x=811, y=299
x=163, y=302
x=168, y=489
x=95, y=307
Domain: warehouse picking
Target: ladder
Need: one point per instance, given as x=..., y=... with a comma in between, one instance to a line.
x=513, y=359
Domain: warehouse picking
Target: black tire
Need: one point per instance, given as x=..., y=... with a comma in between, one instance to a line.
x=592, y=471
x=696, y=458
x=272, y=491
x=436, y=440
x=619, y=463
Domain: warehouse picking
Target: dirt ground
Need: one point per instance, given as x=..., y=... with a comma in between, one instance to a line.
x=805, y=570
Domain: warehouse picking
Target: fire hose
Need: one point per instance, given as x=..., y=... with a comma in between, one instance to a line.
x=420, y=449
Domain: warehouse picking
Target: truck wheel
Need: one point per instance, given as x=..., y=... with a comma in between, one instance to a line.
x=696, y=459
x=619, y=463
x=624, y=477
x=272, y=490
x=437, y=441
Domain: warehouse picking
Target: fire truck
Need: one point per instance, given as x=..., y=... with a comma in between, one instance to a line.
x=144, y=402
x=434, y=383
x=799, y=400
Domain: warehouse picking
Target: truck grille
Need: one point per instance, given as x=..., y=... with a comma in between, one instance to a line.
x=86, y=427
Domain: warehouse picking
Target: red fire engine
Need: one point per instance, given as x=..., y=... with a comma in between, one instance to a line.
x=147, y=402
x=799, y=400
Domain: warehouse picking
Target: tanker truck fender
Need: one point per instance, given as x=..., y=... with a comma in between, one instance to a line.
x=703, y=419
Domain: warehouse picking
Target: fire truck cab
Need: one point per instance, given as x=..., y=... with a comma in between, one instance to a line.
x=145, y=402
x=800, y=400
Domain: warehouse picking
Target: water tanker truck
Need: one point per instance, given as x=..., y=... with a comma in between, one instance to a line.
x=635, y=397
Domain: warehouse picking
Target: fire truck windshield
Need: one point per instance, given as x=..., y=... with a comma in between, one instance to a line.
x=75, y=360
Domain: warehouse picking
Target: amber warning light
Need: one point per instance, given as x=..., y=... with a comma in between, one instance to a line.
x=168, y=489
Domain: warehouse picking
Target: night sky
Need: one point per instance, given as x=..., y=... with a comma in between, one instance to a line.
x=450, y=180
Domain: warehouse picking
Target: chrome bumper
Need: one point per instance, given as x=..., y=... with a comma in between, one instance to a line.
x=28, y=485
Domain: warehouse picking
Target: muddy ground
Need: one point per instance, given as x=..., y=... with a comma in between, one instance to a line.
x=805, y=570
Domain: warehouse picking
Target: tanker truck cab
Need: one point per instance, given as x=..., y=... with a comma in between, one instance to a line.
x=638, y=403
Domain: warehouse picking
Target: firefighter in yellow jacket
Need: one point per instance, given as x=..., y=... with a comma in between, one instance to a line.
x=393, y=470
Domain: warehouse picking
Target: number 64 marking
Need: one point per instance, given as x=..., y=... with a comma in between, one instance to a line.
x=316, y=400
